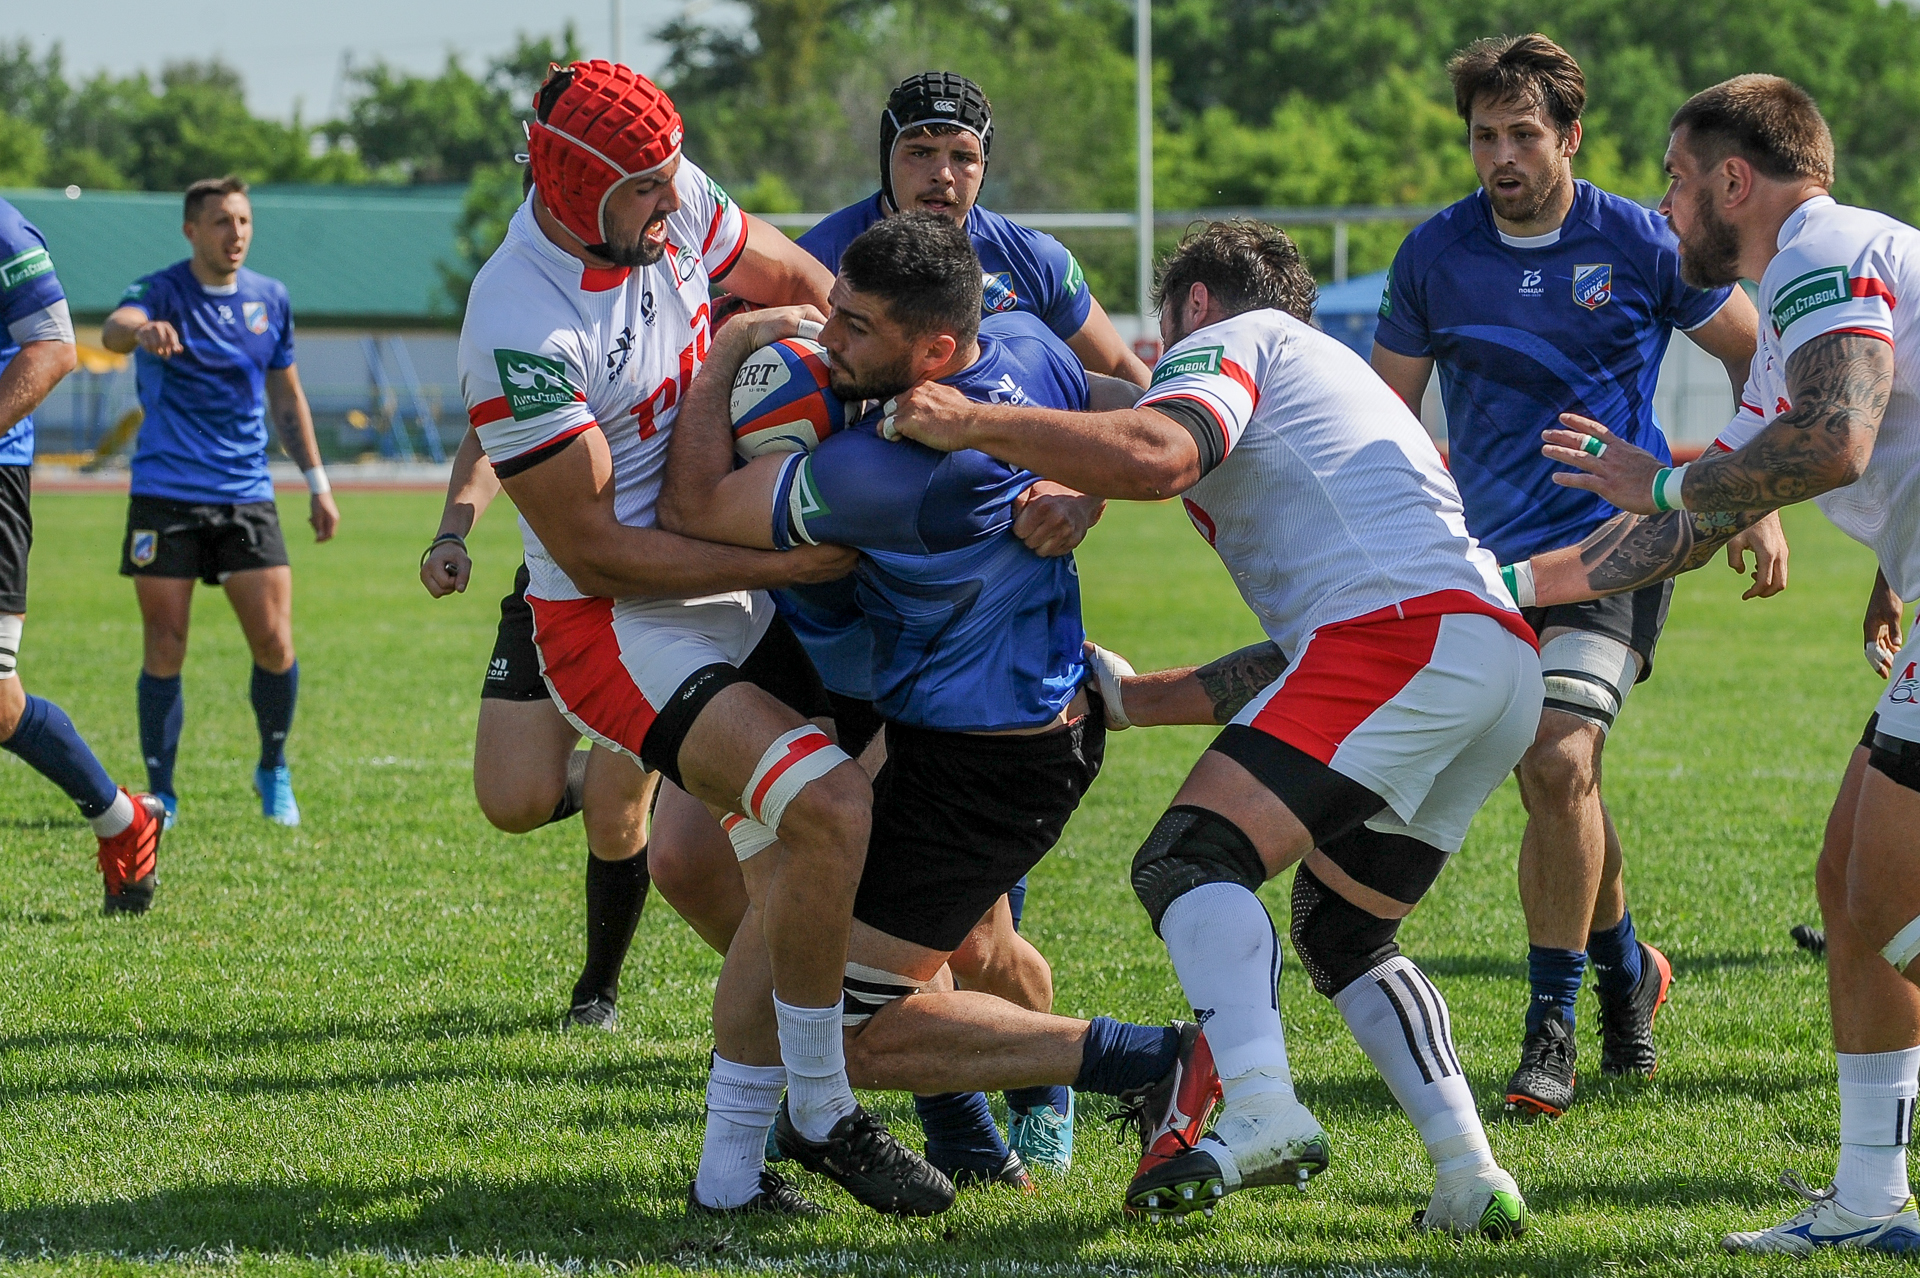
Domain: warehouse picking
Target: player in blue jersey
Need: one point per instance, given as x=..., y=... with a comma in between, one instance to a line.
x=215, y=360
x=1538, y=295
x=36, y=351
x=977, y=668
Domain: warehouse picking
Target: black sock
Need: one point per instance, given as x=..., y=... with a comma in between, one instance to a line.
x=616, y=891
x=573, y=798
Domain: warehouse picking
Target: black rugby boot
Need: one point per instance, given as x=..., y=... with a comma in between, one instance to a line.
x=1626, y=1024
x=862, y=1157
x=1543, y=1085
x=776, y=1198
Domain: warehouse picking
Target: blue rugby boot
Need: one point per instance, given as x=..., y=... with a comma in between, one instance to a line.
x=275, y=788
x=1824, y=1223
x=1043, y=1136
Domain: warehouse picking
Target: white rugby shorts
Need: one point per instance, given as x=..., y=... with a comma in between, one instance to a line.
x=1428, y=709
x=611, y=665
x=1899, y=707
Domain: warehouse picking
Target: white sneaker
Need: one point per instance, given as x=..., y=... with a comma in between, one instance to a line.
x=1268, y=1139
x=1823, y=1222
x=1486, y=1203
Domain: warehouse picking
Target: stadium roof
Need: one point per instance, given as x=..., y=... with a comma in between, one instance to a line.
x=348, y=255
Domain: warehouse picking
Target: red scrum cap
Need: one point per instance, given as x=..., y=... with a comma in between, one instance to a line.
x=595, y=125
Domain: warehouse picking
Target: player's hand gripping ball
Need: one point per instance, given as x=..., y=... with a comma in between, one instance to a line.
x=783, y=401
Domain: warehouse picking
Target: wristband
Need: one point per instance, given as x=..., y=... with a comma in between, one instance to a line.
x=435, y=543
x=1518, y=579
x=317, y=480
x=1666, y=488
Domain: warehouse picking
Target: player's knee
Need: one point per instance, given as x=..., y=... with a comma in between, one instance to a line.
x=818, y=802
x=1830, y=883
x=1560, y=766
x=1337, y=941
x=512, y=813
x=1189, y=848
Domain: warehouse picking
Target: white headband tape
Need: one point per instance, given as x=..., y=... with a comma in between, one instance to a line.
x=794, y=759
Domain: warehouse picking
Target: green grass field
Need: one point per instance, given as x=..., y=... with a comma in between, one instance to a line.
x=334, y=1049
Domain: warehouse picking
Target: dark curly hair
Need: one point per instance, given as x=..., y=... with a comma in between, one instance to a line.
x=1246, y=266
x=924, y=268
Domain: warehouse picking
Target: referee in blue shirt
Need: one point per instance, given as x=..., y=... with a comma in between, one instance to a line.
x=1538, y=295
x=215, y=359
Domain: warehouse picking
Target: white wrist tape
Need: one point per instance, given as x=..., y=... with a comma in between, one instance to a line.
x=747, y=835
x=317, y=480
x=795, y=758
x=1518, y=579
x=1666, y=489
x=1903, y=948
x=1108, y=668
x=810, y=329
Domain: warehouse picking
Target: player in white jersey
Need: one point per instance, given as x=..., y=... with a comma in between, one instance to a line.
x=1414, y=688
x=1832, y=412
x=582, y=333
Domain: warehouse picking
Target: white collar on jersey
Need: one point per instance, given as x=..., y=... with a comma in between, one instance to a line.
x=1797, y=218
x=220, y=290
x=1529, y=241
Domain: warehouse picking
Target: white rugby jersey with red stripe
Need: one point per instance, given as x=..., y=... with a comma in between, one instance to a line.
x=1842, y=269
x=550, y=349
x=1320, y=492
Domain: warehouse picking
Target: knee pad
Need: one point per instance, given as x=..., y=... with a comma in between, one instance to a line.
x=1190, y=847
x=793, y=760
x=1587, y=675
x=1395, y=865
x=1336, y=940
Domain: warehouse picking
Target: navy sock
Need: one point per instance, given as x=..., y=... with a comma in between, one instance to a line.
x=1615, y=955
x=1017, y=900
x=960, y=1132
x=51, y=746
x=1029, y=1099
x=162, y=711
x=1555, y=978
x=273, y=698
x=1118, y=1056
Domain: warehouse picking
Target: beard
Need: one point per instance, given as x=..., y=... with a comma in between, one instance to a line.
x=875, y=383
x=1710, y=251
x=1529, y=202
x=642, y=252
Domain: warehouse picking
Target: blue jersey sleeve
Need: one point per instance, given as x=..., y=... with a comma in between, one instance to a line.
x=282, y=356
x=1403, y=305
x=150, y=293
x=1689, y=307
x=854, y=490
x=1067, y=301
x=27, y=280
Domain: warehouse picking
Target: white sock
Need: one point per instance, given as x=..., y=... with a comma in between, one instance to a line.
x=1876, y=1120
x=1227, y=957
x=1401, y=1023
x=741, y=1103
x=115, y=819
x=816, y=1057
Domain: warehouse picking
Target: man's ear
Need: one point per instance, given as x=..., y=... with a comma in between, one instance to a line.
x=1736, y=180
x=1571, y=145
x=936, y=349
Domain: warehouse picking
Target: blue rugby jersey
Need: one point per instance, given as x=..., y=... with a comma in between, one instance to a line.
x=1026, y=270
x=204, y=438
x=969, y=630
x=27, y=285
x=1524, y=330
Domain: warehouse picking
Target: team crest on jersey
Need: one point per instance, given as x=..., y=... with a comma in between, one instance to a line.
x=685, y=263
x=1905, y=689
x=255, y=315
x=997, y=292
x=1593, y=284
x=144, y=547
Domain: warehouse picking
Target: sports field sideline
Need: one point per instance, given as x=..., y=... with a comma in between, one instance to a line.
x=335, y=1049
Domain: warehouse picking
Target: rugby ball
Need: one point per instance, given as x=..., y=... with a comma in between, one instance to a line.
x=783, y=401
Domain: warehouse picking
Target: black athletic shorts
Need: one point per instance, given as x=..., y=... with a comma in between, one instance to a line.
x=168, y=538
x=778, y=666
x=1635, y=618
x=513, y=672
x=960, y=819
x=856, y=722
x=16, y=536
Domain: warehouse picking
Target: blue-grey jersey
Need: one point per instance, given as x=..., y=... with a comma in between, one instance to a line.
x=28, y=287
x=966, y=629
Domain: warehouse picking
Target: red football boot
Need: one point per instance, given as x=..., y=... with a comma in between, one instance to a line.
x=129, y=859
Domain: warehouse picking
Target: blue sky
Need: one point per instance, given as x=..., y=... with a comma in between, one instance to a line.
x=291, y=52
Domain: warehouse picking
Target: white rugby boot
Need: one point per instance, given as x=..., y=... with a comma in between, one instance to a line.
x=1823, y=1222
x=1266, y=1139
x=1484, y=1202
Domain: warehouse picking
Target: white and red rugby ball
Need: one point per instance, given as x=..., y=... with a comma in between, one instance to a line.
x=783, y=400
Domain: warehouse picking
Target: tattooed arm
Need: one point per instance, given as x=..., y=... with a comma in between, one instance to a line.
x=1209, y=694
x=1839, y=384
